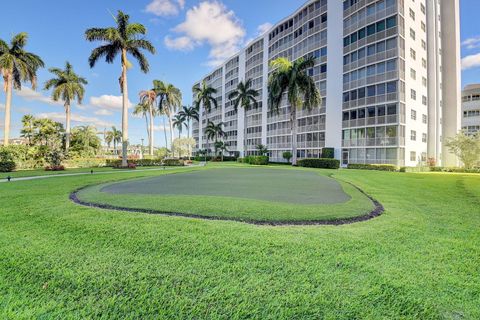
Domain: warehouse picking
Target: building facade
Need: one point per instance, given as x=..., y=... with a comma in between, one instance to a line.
x=471, y=109
x=388, y=72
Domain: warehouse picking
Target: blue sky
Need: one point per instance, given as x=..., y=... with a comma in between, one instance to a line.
x=186, y=36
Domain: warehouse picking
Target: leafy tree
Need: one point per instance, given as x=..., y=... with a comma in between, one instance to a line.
x=179, y=122
x=125, y=39
x=28, y=129
x=16, y=66
x=85, y=141
x=114, y=136
x=189, y=114
x=147, y=103
x=245, y=97
x=292, y=78
x=221, y=147
x=466, y=148
x=169, y=100
x=67, y=86
x=287, y=155
x=204, y=96
x=48, y=133
x=262, y=149
x=214, y=131
x=183, y=145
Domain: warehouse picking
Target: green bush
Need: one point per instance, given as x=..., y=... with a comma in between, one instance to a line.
x=328, y=153
x=377, y=167
x=257, y=160
x=319, y=163
x=173, y=163
x=455, y=170
x=85, y=163
x=7, y=166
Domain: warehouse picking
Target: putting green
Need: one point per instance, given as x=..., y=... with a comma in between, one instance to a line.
x=246, y=194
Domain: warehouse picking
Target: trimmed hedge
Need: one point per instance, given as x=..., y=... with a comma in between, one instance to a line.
x=7, y=166
x=256, y=160
x=455, y=170
x=216, y=159
x=319, y=163
x=115, y=163
x=328, y=153
x=377, y=167
x=173, y=163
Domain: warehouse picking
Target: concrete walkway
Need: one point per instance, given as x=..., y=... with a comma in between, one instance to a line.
x=4, y=180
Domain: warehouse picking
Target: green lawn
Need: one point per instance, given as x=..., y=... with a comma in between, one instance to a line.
x=420, y=260
x=247, y=194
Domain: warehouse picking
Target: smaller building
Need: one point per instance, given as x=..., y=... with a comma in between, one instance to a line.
x=471, y=109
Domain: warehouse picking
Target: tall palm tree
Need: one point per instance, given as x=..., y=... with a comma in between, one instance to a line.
x=16, y=66
x=125, y=38
x=245, y=97
x=116, y=136
x=214, y=131
x=204, y=95
x=28, y=128
x=292, y=78
x=67, y=86
x=148, y=99
x=179, y=122
x=221, y=147
x=189, y=114
x=169, y=100
x=108, y=136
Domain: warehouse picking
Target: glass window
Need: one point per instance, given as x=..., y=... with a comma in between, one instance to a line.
x=391, y=22
x=380, y=5
x=381, y=46
x=391, y=43
x=362, y=33
x=361, y=53
x=361, y=114
x=371, y=29
x=392, y=87
x=371, y=91
x=371, y=70
x=371, y=112
x=381, y=111
x=361, y=93
x=392, y=65
x=380, y=89
x=353, y=38
x=380, y=26
x=371, y=50
x=370, y=10
x=392, y=109
x=381, y=68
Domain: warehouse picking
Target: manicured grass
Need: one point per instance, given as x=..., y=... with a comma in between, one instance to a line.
x=246, y=193
x=420, y=260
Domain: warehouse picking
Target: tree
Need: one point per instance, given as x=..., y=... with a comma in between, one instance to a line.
x=204, y=95
x=85, y=142
x=179, y=122
x=262, y=149
x=287, y=155
x=108, y=136
x=245, y=97
x=466, y=148
x=292, y=78
x=67, y=86
x=220, y=147
x=148, y=99
x=169, y=100
x=125, y=39
x=189, y=114
x=28, y=129
x=48, y=133
x=183, y=145
x=214, y=131
x=114, y=136
x=16, y=66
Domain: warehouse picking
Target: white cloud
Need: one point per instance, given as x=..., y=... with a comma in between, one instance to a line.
x=263, y=28
x=160, y=128
x=76, y=118
x=210, y=22
x=472, y=43
x=107, y=104
x=31, y=95
x=470, y=62
x=163, y=8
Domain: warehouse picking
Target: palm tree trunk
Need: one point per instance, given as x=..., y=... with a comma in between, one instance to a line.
x=172, y=132
x=67, y=127
x=151, y=130
x=293, y=122
x=245, y=132
x=188, y=140
x=124, y=110
x=8, y=108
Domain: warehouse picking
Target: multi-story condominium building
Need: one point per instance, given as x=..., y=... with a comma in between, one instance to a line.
x=388, y=72
x=471, y=109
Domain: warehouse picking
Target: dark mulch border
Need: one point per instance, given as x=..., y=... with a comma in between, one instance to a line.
x=376, y=212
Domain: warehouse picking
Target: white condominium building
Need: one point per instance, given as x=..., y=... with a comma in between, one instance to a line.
x=471, y=109
x=388, y=72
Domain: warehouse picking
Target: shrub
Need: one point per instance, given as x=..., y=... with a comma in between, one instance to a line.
x=7, y=166
x=455, y=170
x=287, y=155
x=173, y=163
x=377, y=167
x=257, y=160
x=328, y=153
x=55, y=168
x=319, y=163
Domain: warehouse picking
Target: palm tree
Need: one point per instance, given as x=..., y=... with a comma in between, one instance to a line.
x=85, y=140
x=148, y=99
x=245, y=97
x=115, y=136
x=108, y=136
x=214, y=131
x=125, y=38
x=169, y=100
x=291, y=78
x=189, y=114
x=179, y=122
x=221, y=147
x=204, y=95
x=67, y=86
x=16, y=66
x=262, y=149
x=28, y=130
